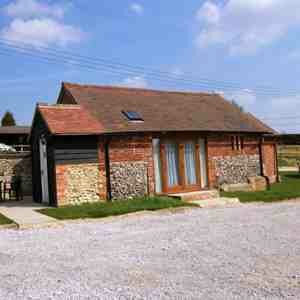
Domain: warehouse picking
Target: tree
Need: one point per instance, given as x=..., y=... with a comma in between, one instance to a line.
x=8, y=119
x=240, y=107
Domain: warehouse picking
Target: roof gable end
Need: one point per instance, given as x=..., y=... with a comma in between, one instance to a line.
x=64, y=119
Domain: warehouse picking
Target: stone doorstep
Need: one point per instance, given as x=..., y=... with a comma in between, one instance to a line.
x=237, y=187
x=198, y=195
x=217, y=202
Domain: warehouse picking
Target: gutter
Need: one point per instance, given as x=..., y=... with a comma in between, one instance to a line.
x=261, y=158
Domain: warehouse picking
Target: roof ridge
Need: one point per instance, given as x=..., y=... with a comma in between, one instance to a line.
x=116, y=87
x=14, y=126
x=60, y=106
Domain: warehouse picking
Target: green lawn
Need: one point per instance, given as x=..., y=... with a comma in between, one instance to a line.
x=4, y=220
x=289, y=188
x=101, y=210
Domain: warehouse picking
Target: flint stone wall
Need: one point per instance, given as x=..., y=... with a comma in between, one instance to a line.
x=81, y=184
x=128, y=180
x=236, y=169
x=18, y=164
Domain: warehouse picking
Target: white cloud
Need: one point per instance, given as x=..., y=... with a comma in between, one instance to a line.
x=277, y=112
x=137, y=8
x=245, y=26
x=284, y=105
x=209, y=12
x=282, y=113
x=41, y=32
x=134, y=82
x=246, y=98
x=294, y=55
x=39, y=23
x=177, y=72
x=33, y=8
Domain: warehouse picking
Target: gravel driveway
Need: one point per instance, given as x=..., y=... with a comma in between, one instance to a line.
x=246, y=252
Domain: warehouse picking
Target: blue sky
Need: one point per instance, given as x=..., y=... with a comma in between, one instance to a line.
x=245, y=43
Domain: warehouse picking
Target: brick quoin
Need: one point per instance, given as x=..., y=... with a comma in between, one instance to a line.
x=270, y=161
x=60, y=184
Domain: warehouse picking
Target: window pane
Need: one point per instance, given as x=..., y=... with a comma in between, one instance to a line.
x=133, y=115
x=190, y=170
x=172, y=164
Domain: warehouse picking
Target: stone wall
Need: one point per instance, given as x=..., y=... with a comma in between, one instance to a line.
x=131, y=166
x=78, y=183
x=128, y=179
x=131, y=172
x=220, y=147
x=236, y=169
x=18, y=164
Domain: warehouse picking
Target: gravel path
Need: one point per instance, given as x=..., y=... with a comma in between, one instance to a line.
x=246, y=252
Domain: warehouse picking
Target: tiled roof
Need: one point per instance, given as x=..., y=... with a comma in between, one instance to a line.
x=69, y=120
x=161, y=110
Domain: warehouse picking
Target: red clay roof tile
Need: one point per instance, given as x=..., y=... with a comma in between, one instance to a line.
x=69, y=120
x=161, y=110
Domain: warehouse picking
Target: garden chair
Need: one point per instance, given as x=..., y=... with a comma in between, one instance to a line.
x=13, y=187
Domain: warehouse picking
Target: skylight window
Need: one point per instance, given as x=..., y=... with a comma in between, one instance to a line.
x=132, y=115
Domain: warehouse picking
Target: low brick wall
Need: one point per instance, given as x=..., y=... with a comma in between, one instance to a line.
x=78, y=183
x=18, y=164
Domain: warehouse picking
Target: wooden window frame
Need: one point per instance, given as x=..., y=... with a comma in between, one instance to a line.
x=237, y=143
x=182, y=186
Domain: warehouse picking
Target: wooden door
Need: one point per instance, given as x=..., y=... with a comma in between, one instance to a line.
x=44, y=170
x=180, y=165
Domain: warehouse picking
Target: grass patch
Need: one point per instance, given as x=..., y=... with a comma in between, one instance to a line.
x=101, y=210
x=289, y=188
x=4, y=220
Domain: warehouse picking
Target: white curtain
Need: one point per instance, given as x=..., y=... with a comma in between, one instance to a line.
x=203, y=163
x=172, y=162
x=157, y=165
x=190, y=171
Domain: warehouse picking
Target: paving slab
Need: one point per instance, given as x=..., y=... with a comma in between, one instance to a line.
x=24, y=214
x=217, y=202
